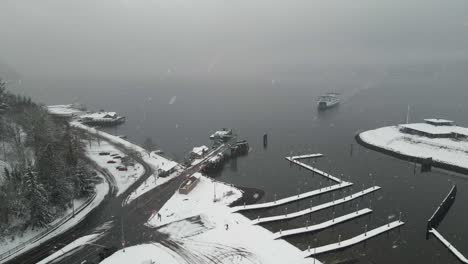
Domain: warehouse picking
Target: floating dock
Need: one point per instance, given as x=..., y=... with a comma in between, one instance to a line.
x=353, y=241
x=323, y=225
x=307, y=156
x=308, y=167
x=316, y=208
x=292, y=198
x=449, y=246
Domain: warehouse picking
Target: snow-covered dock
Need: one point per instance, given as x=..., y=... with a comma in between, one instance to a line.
x=353, y=241
x=292, y=198
x=323, y=225
x=315, y=208
x=308, y=167
x=307, y=156
x=449, y=246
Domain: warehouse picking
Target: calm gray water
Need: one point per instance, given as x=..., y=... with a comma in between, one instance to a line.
x=285, y=109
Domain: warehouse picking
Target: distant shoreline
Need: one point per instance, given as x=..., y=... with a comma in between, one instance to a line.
x=409, y=158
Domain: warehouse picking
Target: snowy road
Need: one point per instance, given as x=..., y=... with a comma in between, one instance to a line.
x=125, y=225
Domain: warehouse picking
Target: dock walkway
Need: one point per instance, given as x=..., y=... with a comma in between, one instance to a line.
x=292, y=198
x=449, y=246
x=307, y=156
x=353, y=241
x=323, y=225
x=315, y=208
x=308, y=167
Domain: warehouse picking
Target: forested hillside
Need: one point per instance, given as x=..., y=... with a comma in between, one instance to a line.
x=43, y=165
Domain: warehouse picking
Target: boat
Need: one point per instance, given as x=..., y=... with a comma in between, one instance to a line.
x=328, y=100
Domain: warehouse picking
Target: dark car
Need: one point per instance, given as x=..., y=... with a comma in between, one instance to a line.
x=111, y=161
x=103, y=153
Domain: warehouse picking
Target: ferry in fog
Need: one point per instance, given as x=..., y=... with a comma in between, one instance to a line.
x=328, y=100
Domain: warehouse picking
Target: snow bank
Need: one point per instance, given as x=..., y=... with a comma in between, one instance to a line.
x=149, y=184
x=123, y=179
x=201, y=229
x=444, y=150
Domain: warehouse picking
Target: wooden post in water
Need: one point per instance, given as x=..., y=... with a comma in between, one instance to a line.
x=265, y=140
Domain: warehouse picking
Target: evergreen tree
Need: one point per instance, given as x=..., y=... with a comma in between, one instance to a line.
x=36, y=197
x=85, y=181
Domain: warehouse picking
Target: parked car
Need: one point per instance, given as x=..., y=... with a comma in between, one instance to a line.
x=111, y=161
x=103, y=153
x=121, y=168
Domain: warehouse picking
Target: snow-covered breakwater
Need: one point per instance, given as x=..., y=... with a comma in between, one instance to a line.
x=450, y=153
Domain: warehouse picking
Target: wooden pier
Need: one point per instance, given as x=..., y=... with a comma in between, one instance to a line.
x=306, y=156
x=327, y=224
x=315, y=170
x=292, y=198
x=315, y=208
x=353, y=241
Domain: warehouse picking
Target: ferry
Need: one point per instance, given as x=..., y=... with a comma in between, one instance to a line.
x=328, y=100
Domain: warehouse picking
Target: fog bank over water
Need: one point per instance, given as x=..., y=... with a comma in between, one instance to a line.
x=144, y=39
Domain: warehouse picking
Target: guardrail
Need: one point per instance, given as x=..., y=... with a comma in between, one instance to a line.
x=41, y=235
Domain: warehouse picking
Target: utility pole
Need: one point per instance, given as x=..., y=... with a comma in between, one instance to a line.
x=407, y=115
x=122, y=230
x=214, y=191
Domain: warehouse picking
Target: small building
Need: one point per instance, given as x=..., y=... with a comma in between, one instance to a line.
x=435, y=128
x=199, y=152
x=166, y=166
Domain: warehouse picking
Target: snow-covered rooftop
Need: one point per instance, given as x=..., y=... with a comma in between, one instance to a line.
x=200, y=150
x=436, y=130
x=437, y=120
x=166, y=164
x=100, y=115
x=221, y=134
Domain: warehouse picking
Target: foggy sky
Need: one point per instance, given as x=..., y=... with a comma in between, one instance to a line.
x=129, y=39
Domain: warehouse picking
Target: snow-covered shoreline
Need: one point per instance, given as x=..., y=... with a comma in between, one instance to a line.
x=203, y=226
x=446, y=153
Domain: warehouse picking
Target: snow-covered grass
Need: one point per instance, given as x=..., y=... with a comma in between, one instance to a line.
x=205, y=231
x=445, y=150
x=123, y=179
x=149, y=184
x=70, y=247
x=33, y=238
x=198, y=201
